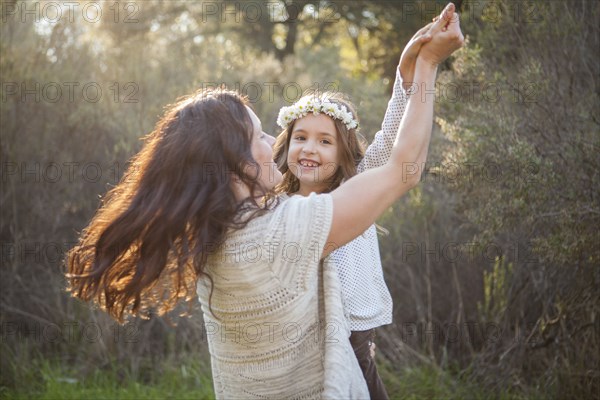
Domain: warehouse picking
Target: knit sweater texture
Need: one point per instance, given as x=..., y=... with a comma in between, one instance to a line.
x=276, y=326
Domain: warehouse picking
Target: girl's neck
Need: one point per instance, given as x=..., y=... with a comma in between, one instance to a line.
x=306, y=190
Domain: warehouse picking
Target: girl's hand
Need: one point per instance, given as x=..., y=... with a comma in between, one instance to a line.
x=446, y=38
x=372, y=348
x=409, y=55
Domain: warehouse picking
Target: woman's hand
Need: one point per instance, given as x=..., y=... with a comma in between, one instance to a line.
x=446, y=38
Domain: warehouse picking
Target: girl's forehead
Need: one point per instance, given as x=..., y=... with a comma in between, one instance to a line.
x=320, y=123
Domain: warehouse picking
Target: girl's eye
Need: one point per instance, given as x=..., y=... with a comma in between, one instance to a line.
x=299, y=138
x=325, y=141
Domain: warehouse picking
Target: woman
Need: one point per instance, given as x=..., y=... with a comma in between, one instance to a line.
x=189, y=215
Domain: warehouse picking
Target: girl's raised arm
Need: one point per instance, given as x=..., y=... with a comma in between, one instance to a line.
x=378, y=152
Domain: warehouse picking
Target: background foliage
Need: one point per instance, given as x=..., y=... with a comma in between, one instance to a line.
x=493, y=261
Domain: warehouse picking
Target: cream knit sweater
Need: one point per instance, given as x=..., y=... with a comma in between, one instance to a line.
x=279, y=331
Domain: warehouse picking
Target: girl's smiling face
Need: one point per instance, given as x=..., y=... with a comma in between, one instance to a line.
x=313, y=152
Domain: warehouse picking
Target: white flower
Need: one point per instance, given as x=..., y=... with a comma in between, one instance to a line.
x=315, y=105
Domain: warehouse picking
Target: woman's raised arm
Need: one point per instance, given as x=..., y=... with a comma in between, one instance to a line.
x=363, y=198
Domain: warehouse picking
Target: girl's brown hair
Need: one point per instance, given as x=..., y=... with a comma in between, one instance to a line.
x=350, y=149
x=149, y=242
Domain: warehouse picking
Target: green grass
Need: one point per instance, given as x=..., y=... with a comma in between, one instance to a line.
x=426, y=382
x=50, y=380
x=191, y=379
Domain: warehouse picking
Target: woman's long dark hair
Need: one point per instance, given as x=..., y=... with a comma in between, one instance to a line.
x=149, y=242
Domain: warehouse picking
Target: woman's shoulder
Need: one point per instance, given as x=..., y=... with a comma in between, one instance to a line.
x=303, y=218
x=297, y=205
x=256, y=220
x=288, y=216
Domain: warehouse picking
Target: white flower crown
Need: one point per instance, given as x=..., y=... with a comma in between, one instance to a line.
x=315, y=105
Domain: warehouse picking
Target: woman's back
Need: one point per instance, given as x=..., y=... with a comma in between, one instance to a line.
x=275, y=333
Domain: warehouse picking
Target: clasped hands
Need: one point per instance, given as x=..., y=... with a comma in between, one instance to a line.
x=432, y=44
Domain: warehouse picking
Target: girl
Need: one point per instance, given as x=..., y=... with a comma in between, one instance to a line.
x=188, y=216
x=316, y=153
x=319, y=149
